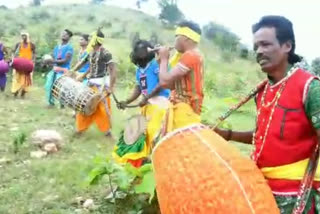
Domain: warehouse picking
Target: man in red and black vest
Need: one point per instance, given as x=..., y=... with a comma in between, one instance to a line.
x=288, y=118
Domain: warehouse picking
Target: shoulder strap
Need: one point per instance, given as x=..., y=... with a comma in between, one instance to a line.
x=307, y=182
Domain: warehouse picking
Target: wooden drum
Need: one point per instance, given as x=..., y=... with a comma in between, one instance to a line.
x=198, y=172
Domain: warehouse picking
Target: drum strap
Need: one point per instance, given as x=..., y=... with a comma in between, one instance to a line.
x=306, y=183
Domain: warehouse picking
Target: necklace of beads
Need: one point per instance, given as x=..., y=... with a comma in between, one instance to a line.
x=274, y=102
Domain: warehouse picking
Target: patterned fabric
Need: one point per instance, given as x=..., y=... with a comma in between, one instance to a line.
x=1, y=51
x=286, y=203
x=101, y=117
x=20, y=81
x=312, y=103
x=189, y=89
x=99, y=61
x=85, y=68
x=148, y=78
x=51, y=77
x=3, y=81
x=61, y=52
x=141, y=149
x=178, y=116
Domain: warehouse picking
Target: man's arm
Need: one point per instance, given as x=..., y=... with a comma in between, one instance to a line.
x=63, y=61
x=135, y=94
x=14, y=53
x=33, y=48
x=167, y=79
x=113, y=75
x=154, y=92
x=229, y=135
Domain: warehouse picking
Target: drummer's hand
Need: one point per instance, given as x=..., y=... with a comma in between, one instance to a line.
x=122, y=105
x=108, y=91
x=143, y=102
x=164, y=53
x=80, y=78
x=226, y=134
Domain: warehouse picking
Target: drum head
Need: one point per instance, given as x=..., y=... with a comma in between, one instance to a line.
x=135, y=127
x=92, y=104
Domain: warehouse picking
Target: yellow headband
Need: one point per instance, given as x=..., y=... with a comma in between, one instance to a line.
x=185, y=31
x=94, y=40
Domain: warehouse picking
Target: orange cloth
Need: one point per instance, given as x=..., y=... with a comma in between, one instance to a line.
x=102, y=117
x=21, y=81
x=189, y=89
x=25, y=52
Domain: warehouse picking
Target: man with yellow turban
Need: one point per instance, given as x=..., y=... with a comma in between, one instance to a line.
x=185, y=77
x=101, y=78
x=21, y=81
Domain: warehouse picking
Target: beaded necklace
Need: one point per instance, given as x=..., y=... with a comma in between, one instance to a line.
x=274, y=102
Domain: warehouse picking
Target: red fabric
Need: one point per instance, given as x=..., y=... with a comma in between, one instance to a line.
x=287, y=186
x=291, y=137
x=136, y=163
x=23, y=65
x=313, y=208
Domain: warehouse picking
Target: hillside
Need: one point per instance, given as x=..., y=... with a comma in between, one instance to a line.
x=51, y=185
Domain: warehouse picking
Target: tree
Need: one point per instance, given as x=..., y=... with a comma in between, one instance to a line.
x=97, y=1
x=315, y=66
x=36, y=2
x=170, y=11
x=244, y=52
x=222, y=36
x=138, y=3
x=3, y=7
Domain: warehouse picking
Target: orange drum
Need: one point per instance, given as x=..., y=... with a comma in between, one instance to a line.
x=198, y=172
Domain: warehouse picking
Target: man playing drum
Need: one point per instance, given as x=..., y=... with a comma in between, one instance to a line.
x=101, y=64
x=21, y=81
x=62, y=57
x=288, y=119
x=185, y=76
x=153, y=105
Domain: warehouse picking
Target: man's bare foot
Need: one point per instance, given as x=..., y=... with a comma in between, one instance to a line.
x=77, y=134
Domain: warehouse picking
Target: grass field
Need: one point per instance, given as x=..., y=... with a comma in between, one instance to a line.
x=51, y=185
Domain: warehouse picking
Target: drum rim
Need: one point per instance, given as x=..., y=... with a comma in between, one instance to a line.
x=145, y=127
x=177, y=131
x=89, y=111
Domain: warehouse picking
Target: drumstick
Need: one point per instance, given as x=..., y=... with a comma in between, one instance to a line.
x=243, y=101
x=117, y=102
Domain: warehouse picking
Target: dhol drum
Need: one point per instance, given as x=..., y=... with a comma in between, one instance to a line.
x=76, y=95
x=4, y=67
x=135, y=127
x=198, y=172
x=22, y=65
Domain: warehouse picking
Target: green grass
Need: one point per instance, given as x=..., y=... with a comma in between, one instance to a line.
x=50, y=185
